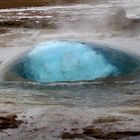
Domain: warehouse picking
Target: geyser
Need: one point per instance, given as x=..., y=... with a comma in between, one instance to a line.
x=55, y=61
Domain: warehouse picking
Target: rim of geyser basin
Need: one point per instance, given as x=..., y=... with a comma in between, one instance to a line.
x=126, y=78
x=96, y=83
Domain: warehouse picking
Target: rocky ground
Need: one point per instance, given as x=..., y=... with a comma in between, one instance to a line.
x=36, y=122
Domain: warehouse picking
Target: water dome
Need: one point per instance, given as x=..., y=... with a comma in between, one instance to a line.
x=55, y=61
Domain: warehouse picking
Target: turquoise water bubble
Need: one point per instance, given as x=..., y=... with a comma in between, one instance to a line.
x=55, y=61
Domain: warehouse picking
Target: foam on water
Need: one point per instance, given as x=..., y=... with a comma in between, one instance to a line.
x=55, y=61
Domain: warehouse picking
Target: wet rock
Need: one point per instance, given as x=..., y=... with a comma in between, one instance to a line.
x=9, y=121
x=129, y=93
x=91, y=131
x=28, y=23
x=99, y=134
x=3, y=30
x=108, y=119
x=102, y=128
x=133, y=101
x=133, y=112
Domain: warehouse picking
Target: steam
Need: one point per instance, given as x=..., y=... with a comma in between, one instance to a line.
x=112, y=18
